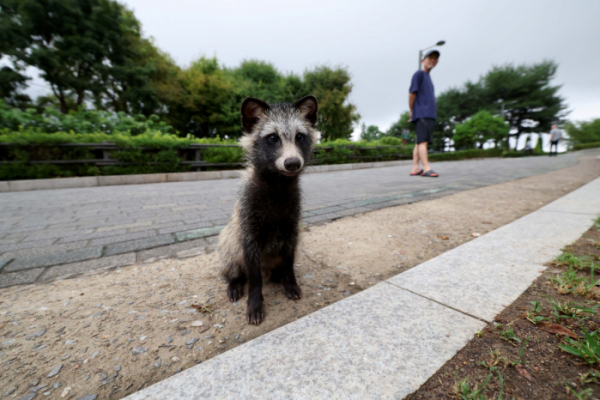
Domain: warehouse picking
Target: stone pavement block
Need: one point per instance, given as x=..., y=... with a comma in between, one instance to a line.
x=73, y=237
x=122, y=238
x=4, y=262
x=20, y=277
x=380, y=343
x=192, y=176
x=140, y=244
x=4, y=187
x=131, y=179
x=45, y=260
x=27, y=245
x=321, y=218
x=199, y=233
x=485, y=275
x=172, y=249
x=327, y=210
x=65, y=270
x=34, y=251
x=185, y=227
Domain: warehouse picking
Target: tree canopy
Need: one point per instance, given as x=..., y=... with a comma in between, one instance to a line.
x=584, y=132
x=479, y=129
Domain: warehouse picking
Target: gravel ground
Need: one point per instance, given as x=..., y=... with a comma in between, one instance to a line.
x=113, y=333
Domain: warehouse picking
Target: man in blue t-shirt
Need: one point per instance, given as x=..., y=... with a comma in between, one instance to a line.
x=421, y=100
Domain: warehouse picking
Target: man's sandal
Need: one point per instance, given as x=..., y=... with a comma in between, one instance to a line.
x=430, y=174
x=416, y=173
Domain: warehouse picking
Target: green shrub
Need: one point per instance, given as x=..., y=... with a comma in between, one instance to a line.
x=515, y=153
x=584, y=146
x=81, y=121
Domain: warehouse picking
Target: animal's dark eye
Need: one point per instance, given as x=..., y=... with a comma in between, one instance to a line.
x=299, y=137
x=273, y=138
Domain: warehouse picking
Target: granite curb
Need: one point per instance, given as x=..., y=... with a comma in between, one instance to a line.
x=96, y=181
x=386, y=341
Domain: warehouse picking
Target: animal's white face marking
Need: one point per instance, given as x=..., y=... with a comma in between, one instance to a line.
x=289, y=150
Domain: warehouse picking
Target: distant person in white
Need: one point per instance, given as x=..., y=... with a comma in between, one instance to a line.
x=555, y=136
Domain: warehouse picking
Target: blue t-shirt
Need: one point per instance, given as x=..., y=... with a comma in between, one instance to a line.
x=425, y=102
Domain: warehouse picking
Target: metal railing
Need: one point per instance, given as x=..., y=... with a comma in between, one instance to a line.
x=190, y=156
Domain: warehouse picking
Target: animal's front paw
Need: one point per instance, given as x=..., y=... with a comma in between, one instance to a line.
x=293, y=292
x=255, y=314
x=235, y=291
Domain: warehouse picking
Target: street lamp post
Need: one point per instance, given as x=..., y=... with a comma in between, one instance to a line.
x=440, y=43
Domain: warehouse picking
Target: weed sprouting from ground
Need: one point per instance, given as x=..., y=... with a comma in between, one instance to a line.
x=508, y=335
x=464, y=391
x=583, y=395
x=587, y=348
x=570, y=282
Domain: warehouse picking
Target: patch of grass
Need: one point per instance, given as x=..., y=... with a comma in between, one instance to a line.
x=570, y=310
x=508, y=335
x=583, y=395
x=533, y=314
x=496, y=358
x=567, y=259
x=586, y=348
x=464, y=391
x=590, y=377
x=520, y=359
x=570, y=282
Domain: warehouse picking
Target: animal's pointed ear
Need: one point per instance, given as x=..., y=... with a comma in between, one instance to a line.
x=308, y=108
x=252, y=110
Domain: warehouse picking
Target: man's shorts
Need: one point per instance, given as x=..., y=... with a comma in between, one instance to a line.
x=424, y=130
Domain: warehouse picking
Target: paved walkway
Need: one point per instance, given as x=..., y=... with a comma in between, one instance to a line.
x=50, y=233
x=386, y=341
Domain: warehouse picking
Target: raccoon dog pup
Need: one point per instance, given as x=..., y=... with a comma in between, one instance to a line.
x=262, y=234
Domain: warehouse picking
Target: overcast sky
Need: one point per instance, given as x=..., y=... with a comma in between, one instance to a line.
x=379, y=41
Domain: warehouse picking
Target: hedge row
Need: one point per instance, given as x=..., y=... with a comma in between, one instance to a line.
x=151, y=152
x=583, y=146
x=159, y=152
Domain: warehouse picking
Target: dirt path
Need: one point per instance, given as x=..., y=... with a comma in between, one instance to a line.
x=116, y=332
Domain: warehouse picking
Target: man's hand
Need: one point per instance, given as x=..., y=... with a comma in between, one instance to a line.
x=410, y=116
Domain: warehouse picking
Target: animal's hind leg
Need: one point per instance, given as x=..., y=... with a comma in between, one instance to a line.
x=235, y=284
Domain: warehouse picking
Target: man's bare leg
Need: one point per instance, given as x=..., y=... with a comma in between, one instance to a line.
x=423, y=156
x=415, y=167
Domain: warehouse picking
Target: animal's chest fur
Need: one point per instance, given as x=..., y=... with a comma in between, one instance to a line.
x=271, y=216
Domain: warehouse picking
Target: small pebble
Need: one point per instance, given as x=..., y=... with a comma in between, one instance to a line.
x=117, y=368
x=158, y=363
x=174, y=359
x=56, y=385
x=55, y=371
x=29, y=396
x=10, y=391
x=139, y=350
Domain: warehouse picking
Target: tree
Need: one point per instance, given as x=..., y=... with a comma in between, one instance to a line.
x=205, y=101
x=370, y=133
x=332, y=87
x=479, y=129
x=401, y=125
x=83, y=49
x=454, y=106
x=265, y=82
x=530, y=102
x=584, y=132
x=11, y=86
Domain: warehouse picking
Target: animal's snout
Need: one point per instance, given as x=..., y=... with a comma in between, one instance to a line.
x=292, y=164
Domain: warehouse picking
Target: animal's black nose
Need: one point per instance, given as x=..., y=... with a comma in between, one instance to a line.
x=292, y=164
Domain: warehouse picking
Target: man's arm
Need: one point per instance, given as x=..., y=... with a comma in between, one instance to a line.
x=411, y=103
